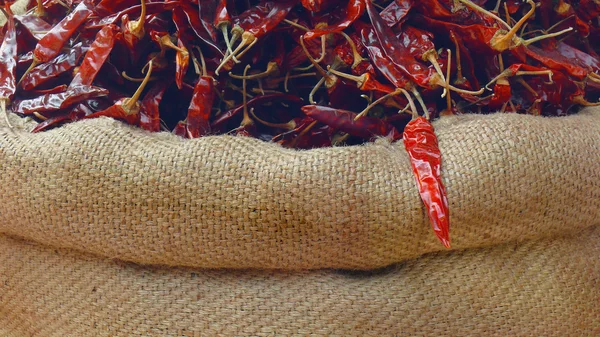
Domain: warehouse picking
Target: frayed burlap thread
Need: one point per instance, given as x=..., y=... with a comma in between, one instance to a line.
x=549, y=287
x=102, y=187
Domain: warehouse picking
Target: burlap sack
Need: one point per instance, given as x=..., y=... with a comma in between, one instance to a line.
x=102, y=187
x=545, y=288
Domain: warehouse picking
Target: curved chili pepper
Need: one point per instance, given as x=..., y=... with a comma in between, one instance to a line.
x=96, y=56
x=354, y=10
x=185, y=12
x=8, y=63
x=421, y=144
x=53, y=68
x=345, y=121
x=53, y=102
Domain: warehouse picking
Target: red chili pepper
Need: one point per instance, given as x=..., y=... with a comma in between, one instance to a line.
x=206, y=12
x=398, y=52
x=185, y=12
x=197, y=123
x=8, y=63
x=150, y=112
x=355, y=10
x=63, y=100
x=53, y=68
x=127, y=109
x=396, y=11
x=345, y=121
x=182, y=62
x=96, y=56
x=556, y=60
x=152, y=8
x=426, y=159
x=133, y=31
x=55, y=90
x=36, y=26
x=53, y=42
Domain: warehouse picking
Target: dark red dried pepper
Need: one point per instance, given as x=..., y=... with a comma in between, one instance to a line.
x=426, y=160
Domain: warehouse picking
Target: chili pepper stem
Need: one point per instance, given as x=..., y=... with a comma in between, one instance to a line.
x=40, y=10
x=579, y=99
x=430, y=56
x=130, y=103
x=481, y=10
x=3, y=110
x=248, y=41
x=314, y=90
x=34, y=64
x=459, y=74
x=421, y=102
x=137, y=27
x=411, y=103
x=360, y=80
x=357, y=58
x=166, y=41
x=527, y=86
x=546, y=36
x=329, y=80
x=448, y=97
x=289, y=125
x=271, y=68
x=246, y=120
x=593, y=77
x=377, y=101
x=502, y=41
x=227, y=42
x=302, y=133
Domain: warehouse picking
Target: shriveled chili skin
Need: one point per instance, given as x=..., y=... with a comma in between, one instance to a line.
x=149, y=112
x=52, y=43
x=117, y=111
x=8, y=61
x=197, y=123
x=354, y=10
x=421, y=144
x=343, y=120
x=53, y=102
x=53, y=68
x=96, y=55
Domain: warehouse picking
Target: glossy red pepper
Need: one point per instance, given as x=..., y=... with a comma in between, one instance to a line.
x=53, y=68
x=421, y=144
x=197, y=123
x=354, y=10
x=96, y=56
x=52, y=43
x=54, y=102
x=150, y=107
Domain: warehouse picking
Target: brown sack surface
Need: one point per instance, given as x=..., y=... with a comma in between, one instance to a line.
x=546, y=288
x=102, y=187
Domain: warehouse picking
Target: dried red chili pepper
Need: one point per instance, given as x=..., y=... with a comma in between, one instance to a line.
x=127, y=109
x=396, y=11
x=96, y=56
x=53, y=102
x=426, y=160
x=51, y=44
x=133, y=31
x=197, y=122
x=53, y=68
x=36, y=26
x=150, y=112
x=354, y=10
x=8, y=63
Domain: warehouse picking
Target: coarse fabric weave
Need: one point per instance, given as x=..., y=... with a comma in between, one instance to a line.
x=102, y=187
x=549, y=287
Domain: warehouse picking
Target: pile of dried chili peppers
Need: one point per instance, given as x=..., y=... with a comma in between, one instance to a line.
x=304, y=74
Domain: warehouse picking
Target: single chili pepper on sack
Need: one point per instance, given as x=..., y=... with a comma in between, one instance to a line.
x=8, y=64
x=426, y=159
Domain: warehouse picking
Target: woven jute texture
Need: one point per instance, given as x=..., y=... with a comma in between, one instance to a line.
x=102, y=187
x=549, y=287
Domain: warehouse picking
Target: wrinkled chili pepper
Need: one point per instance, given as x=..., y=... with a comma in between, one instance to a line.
x=421, y=144
x=8, y=63
x=51, y=44
x=150, y=107
x=365, y=127
x=96, y=56
x=197, y=123
x=355, y=9
x=53, y=68
x=53, y=102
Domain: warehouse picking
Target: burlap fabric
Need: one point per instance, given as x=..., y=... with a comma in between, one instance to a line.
x=546, y=288
x=102, y=187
